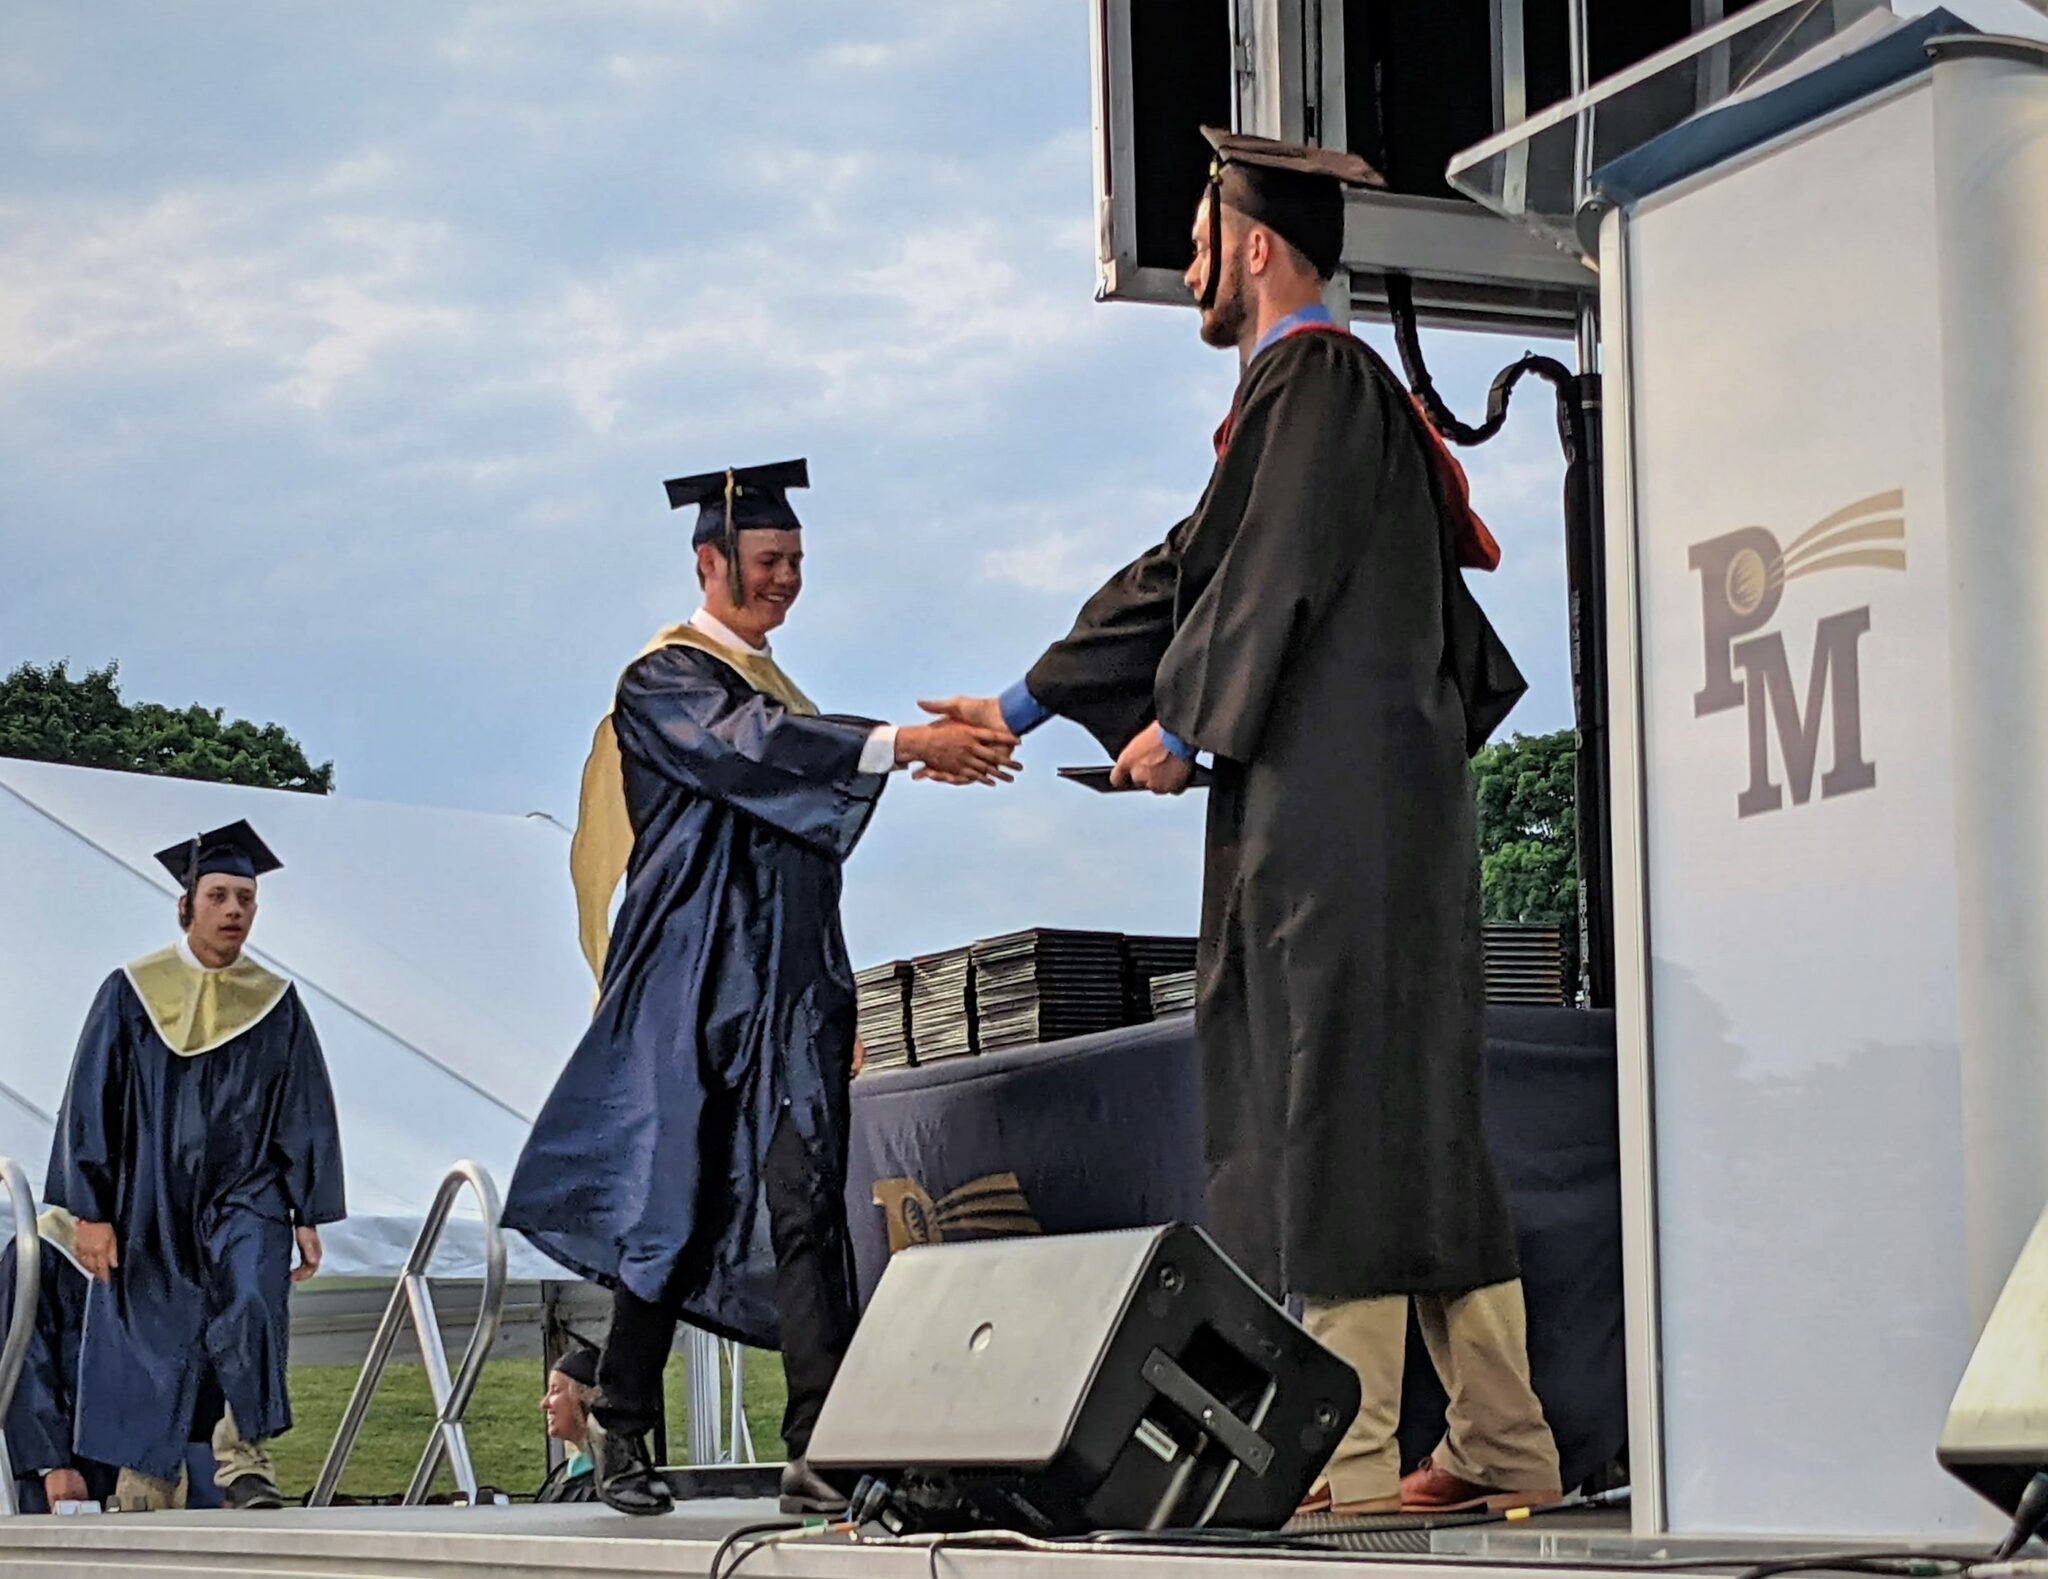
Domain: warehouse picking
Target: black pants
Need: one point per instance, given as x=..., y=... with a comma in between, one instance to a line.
x=813, y=1304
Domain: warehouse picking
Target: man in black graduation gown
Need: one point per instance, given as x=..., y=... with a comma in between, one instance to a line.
x=197, y=1148
x=1306, y=627
x=693, y=1154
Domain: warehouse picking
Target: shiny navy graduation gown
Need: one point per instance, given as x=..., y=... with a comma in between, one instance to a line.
x=727, y=1000
x=39, y=1418
x=204, y=1164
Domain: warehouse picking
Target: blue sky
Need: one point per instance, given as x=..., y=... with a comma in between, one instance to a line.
x=343, y=350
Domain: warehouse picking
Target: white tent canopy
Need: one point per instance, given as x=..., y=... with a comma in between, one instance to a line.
x=436, y=951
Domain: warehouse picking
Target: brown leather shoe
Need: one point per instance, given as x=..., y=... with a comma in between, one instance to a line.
x=1322, y=1500
x=1433, y=1489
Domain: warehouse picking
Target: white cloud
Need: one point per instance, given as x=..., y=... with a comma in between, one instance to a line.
x=270, y=268
x=503, y=32
x=1056, y=562
x=865, y=57
x=1069, y=547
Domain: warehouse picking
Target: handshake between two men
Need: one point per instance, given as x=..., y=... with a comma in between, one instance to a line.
x=975, y=744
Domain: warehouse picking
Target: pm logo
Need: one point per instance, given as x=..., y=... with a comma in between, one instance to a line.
x=1742, y=580
x=990, y=1206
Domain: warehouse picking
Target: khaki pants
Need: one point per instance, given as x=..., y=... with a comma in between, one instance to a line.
x=233, y=1458
x=1495, y=1432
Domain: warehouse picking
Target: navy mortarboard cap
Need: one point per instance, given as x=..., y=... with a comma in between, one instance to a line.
x=1295, y=190
x=736, y=500
x=234, y=849
x=757, y=496
x=579, y=1365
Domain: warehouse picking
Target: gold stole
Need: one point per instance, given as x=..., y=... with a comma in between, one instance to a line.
x=196, y=1010
x=58, y=1227
x=603, y=842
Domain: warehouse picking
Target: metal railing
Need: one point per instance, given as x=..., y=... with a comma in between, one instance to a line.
x=708, y=1410
x=21, y=1320
x=413, y=1296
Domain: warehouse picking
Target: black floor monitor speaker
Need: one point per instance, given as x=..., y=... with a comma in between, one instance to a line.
x=1114, y=1381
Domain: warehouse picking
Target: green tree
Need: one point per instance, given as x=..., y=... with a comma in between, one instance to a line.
x=1528, y=847
x=47, y=715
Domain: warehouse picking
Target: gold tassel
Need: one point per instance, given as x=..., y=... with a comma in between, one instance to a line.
x=732, y=544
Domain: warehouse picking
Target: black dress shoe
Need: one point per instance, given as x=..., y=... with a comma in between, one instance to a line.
x=626, y=1481
x=251, y=1492
x=805, y=1491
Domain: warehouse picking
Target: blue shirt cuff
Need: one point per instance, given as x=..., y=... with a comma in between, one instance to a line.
x=1175, y=744
x=1022, y=712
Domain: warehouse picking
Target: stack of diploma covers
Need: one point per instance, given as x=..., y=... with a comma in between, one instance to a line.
x=884, y=995
x=1174, y=994
x=1146, y=960
x=1045, y=985
x=1525, y=963
x=942, y=1006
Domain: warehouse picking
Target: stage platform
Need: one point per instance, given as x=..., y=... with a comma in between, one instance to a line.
x=591, y=1541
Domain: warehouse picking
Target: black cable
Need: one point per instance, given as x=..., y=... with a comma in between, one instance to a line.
x=1408, y=341
x=1917, y=1564
x=1913, y=1565
x=752, y=1532
x=2027, y=1518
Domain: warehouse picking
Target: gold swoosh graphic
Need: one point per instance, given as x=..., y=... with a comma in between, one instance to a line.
x=1889, y=528
x=1893, y=500
x=1862, y=558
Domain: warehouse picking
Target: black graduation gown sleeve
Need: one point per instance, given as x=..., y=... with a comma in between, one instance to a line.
x=307, y=1140
x=1100, y=673
x=796, y=772
x=1261, y=561
x=84, y=1152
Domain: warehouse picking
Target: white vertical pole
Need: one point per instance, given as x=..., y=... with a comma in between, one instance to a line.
x=1991, y=194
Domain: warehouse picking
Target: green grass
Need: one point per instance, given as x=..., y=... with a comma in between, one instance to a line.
x=503, y=1422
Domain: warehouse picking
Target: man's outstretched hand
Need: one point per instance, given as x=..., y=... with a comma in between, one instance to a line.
x=98, y=1255
x=309, y=1253
x=954, y=751
x=1147, y=764
x=984, y=712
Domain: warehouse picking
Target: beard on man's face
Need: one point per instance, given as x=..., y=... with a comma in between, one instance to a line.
x=1223, y=324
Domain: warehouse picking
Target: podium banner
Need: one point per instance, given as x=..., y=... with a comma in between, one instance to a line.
x=1104, y=1132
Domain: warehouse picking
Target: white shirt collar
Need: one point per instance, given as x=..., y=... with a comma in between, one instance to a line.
x=185, y=953
x=719, y=632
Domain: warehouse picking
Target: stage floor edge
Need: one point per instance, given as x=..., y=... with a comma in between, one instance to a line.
x=591, y=1541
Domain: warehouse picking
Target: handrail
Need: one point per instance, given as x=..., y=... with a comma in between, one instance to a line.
x=413, y=1296
x=21, y=1320
x=719, y=1432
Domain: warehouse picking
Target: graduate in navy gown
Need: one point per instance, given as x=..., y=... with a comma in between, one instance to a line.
x=693, y=1154
x=39, y=1420
x=197, y=1147
x=47, y=1470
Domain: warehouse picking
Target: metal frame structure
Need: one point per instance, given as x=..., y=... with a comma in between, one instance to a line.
x=718, y=1428
x=21, y=1320
x=1469, y=269
x=414, y=1296
x=1583, y=105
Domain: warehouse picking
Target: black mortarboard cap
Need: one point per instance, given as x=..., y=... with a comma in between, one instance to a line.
x=579, y=1365
x=1296, y=190
x=235, y=849
x=758, y=496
